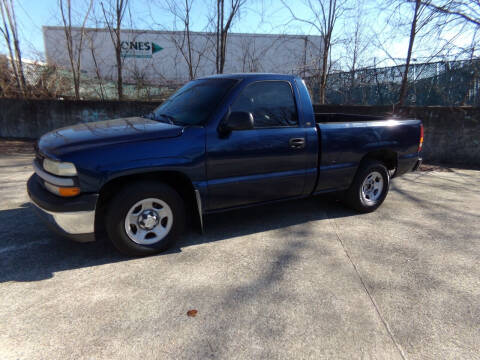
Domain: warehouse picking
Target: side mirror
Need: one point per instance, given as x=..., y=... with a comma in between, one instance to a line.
x=237, y=120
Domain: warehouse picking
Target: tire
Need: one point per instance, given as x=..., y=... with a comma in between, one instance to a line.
x=156, y=218
x=369, y=187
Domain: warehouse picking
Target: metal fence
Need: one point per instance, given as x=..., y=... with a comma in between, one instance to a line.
x=436, y=83
x=447, y=83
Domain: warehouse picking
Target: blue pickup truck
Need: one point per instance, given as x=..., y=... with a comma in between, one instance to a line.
x=218, y=143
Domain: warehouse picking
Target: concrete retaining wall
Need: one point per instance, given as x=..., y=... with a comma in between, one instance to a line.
x=33, y=118
x=452, y=135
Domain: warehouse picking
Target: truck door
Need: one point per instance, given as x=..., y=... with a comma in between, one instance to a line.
x=261, y=164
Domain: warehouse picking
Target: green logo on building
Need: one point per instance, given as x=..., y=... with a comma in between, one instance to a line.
x=156, y=48
x=139, y=49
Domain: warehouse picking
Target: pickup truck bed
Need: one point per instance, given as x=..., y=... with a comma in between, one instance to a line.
x=341, y=117
x=345, y=139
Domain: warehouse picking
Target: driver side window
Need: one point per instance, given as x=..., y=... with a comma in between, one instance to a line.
x=271, y=103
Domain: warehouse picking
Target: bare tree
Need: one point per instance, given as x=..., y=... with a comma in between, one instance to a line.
x=9, y=31
x=324, y=16
x=189, y=44
x=5, y=30
x=467, y=10
x=182, y=12
x=114, y=13
x=5, y=76
x=250, y=53
x=413, y=33
x=223, y=20
x=356, y=44
x=92, y=49
x=74, y=45
x=419, y=19
x=461, y=17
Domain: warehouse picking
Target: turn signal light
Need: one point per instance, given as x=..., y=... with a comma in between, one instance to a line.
x=69, y=191
x=420, y=144
x=62, y=191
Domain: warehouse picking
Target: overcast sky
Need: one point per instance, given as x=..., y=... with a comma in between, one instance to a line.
x=260, y=16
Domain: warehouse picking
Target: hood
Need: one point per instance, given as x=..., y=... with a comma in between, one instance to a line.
x=87, y=135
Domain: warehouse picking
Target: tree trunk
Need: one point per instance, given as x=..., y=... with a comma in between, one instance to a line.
x=222, y=27
x=18, y=55
x=118, y=51
x=217, y=37
x=97, y=71
x=6, y=34
x=114, y=24
x=324, y=72
x=119, y=72
x=189, y=45
x=8, y=13
x=223, y=51
x=413, y=31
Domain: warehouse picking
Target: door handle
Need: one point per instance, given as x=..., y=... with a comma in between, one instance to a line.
x=297, y=143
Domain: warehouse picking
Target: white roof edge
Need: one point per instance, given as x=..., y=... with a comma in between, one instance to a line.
x=45, y=27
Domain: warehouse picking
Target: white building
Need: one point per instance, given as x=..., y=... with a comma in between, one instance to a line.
x=159, y=56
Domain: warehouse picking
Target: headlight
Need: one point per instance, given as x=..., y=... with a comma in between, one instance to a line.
x=59, y=168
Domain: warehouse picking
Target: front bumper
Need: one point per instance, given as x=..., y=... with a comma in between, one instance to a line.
x=70, y=217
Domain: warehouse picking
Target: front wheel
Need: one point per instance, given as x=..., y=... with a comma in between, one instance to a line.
x=369, y=188
x=145, y=218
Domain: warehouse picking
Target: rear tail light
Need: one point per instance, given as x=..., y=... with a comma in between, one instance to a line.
x=420, y=144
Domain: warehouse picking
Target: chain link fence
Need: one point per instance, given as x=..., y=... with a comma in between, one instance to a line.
x=448, y=83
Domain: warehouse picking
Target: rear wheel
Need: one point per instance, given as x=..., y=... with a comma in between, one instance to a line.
x=145, y=218
x=369, y=188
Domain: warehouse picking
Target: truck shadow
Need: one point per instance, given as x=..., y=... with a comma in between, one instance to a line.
x=29, y=251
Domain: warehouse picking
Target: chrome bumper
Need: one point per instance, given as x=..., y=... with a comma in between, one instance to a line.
x=73, y=218
x=78, y=226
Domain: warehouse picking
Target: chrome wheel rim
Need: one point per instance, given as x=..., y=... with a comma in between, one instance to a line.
x=372, y=188
x=148, y=221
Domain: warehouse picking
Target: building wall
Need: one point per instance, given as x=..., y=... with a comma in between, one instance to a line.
x=157, y=57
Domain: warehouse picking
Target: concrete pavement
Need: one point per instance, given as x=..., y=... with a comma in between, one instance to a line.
x=300, y=279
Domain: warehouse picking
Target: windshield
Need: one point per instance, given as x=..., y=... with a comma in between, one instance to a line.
x=193, y=103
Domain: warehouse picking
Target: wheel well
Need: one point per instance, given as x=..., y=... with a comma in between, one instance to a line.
x=387, y=157
x=177, y=180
